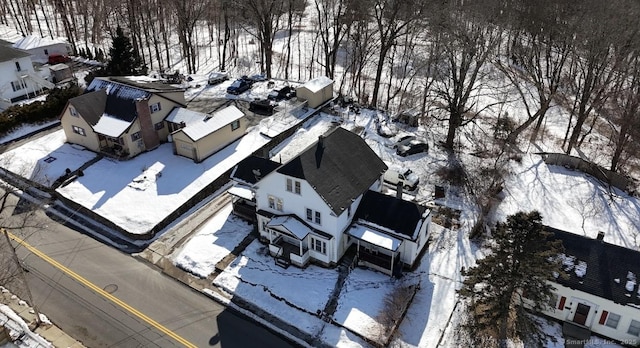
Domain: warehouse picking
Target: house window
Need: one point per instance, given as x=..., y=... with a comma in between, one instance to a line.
x=18, y=85
x=155, y=107
x=634, y=328
x=79, y=130
x=264, y=226
x=348, y=211
x=298, y=187
x=235, y=125
x=318, y=218
x=18, y=68
x=135, y=136
x=289, y=185
x=612, y=320
x=319, y=245
x=159, y=125
x=309, y=214
x=275, y=203
x=46, y=51
x=73, y=111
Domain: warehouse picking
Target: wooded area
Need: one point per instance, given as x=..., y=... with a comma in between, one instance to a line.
x=391, y=54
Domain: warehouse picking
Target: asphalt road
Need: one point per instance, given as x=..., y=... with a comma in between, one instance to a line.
x=106, y=298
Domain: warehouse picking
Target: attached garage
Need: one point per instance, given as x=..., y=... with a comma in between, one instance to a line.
x=316, y=92
x=201, y=135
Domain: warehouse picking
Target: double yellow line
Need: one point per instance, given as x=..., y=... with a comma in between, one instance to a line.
x=101, y=292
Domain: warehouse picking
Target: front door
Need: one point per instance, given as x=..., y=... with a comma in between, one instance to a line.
x=581, y=314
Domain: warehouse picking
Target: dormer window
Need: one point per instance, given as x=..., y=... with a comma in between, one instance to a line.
x=18, y=68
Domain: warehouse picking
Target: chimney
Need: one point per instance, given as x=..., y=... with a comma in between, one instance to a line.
x=399, y=190
x=600, y=235
x=320, y=141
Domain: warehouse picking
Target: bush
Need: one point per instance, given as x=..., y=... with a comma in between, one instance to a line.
x=39, y=111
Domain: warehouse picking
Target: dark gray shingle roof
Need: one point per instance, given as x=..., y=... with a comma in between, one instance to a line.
x=393, y=213
x=247, y=169
x=8, y=53
x=92, y=105
x=608, y=267
x=340, y=170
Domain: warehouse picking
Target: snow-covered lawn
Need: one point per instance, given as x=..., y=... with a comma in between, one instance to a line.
x=212, y=242
x=137, y=194
x=45, y=159
x=255, y=277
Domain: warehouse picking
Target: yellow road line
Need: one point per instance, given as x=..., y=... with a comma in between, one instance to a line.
x=100, y=291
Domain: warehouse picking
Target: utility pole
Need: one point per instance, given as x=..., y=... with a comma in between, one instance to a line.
x=23, y=277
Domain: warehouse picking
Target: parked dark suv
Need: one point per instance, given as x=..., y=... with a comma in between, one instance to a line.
x=286, y=92
x=262, y=106
x=239, y=86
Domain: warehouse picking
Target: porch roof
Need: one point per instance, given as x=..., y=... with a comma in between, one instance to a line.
x=291, y=225
x=374, y=237
x=111, y=126
x=241, y=191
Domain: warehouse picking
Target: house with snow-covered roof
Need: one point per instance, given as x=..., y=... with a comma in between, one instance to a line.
x=245, y=177
x=316, y=91
x=41, y=48
x=197, y=135
x=120, y=116
x=325, y=200
x=601, y=293
x=18, y=77
x=125, y=116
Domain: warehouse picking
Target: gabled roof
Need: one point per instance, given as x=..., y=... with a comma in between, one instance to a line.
x=400, y=216
x=7, y=53
x=251, y=169
x=108, y=114
x=318, y=83
x=32, y=41
x=611, y=270
x=340, y=167
x=199, y=125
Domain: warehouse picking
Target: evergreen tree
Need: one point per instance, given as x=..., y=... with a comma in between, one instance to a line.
x=123, y=59
x=522, y=261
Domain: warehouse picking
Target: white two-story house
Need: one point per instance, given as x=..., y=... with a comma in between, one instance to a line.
x=307, y=208
x=601, y=294
x=18, y=78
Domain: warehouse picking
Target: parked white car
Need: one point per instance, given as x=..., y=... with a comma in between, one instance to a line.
x=401, y=175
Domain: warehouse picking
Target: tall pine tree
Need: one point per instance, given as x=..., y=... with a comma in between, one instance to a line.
x=522, y=261
x=123, y=59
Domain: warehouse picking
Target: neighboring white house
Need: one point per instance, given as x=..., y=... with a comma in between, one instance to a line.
x=18, y=78
x=316, y=91
x=318, y=204
x=41, y=47
x=601, y=294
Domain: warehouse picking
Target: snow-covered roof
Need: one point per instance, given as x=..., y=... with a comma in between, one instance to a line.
x=200, y=125
x=291, y=224
x=374, y=237
x=318, y=83
x=241, y=191
x=118, y=90
x=32, y=41
x=111, y=126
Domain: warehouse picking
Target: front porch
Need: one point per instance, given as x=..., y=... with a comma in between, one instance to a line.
x=292, y=251
x=377, y=250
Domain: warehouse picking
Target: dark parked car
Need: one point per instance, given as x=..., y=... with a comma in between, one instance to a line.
x=403, y=141
x=412, y=147
x=239, y=86
x=286, y=92
x=217, y=77
x=262, y=106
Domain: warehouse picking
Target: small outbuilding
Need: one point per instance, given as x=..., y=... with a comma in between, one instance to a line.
x=198, y=135
x=61, y=73
x=316, y=92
